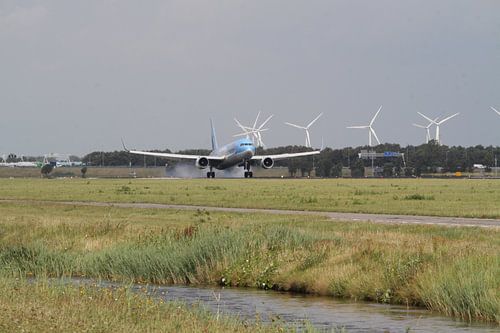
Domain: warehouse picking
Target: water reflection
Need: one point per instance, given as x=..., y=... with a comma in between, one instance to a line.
x=324, y=313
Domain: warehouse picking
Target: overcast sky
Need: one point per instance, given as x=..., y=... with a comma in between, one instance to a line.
x=76, y=76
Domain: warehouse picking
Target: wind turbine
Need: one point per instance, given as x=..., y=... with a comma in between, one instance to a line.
x=427, y=128
x=498, y=112
x=370, y=128
x=254, y=130
x=438, y=140
x=306, y=129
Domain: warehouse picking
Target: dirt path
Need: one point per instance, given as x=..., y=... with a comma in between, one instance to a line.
x=375, y=218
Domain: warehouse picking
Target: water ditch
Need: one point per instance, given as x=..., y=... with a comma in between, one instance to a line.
x=294, y=310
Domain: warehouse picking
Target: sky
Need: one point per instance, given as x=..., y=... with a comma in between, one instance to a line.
x=76, y=76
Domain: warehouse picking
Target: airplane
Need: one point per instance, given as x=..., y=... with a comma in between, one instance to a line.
x=19, y=164
x=239, y=153
x=25, y=164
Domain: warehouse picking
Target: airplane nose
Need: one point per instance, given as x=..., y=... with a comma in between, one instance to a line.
x=249, y=152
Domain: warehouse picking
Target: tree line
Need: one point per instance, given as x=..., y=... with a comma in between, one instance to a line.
x=425, y=158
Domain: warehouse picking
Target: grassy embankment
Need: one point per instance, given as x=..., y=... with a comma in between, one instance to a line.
x=43, y=307
x=455, y=271
x=465, y=198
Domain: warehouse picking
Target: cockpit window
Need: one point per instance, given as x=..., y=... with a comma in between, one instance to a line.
x=245, y=144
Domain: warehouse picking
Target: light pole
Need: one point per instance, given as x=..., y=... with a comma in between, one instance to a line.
x=496, y=167
x=446, y=161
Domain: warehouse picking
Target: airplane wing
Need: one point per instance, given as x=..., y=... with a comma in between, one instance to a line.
x=170, y=155
x=175, y=156
x=286, y=155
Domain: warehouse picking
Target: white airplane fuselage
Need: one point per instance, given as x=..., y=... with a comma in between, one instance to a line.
x=234, y=153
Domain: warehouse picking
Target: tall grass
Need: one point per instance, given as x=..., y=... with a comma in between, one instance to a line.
x=169, y=259
x=189, y=256
x=45, y=307
x=468, y=289
x=451, y=270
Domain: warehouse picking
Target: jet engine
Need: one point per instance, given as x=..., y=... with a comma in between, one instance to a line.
x=267, y=163
x=201, y=162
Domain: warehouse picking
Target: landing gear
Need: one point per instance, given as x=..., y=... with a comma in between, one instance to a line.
x=248, y=173
x=210, y=174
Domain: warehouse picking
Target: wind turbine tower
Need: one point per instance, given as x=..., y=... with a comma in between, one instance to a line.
x=306, y=129
x=371, y=131
x=427, y=130
x=439, y=123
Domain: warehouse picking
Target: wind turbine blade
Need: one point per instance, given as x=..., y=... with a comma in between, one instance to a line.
x=432, y=123
x=420, y=126
x=308, y=139
x=375, y=116
x=448, y=118
x=375, y=135
x=312, y=122
x=357, y=126
x=241, y=134
x=251, y=132
x=257, y=131
x=266, y=121
x=429, y=119
x=240, y=125
x=498, y=112
x=256, y=120
x=293, y=125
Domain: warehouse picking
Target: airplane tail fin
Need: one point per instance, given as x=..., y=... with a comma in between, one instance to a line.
x=124, y=147
x=215, y=146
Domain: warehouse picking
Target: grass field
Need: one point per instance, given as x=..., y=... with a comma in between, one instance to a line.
x=125, y=172
x=464, y=197
x=455, y=271
x=98, y=172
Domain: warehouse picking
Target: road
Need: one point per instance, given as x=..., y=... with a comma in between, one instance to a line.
x=359, y=217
